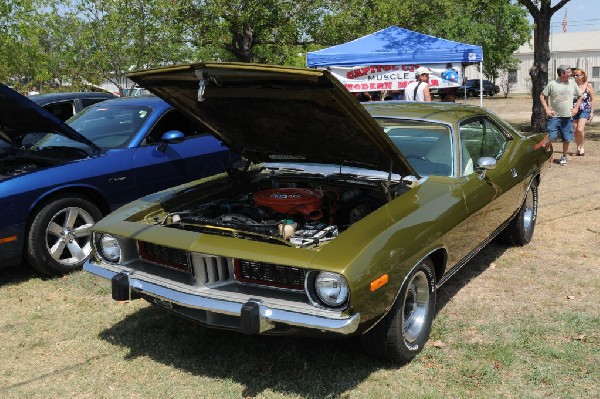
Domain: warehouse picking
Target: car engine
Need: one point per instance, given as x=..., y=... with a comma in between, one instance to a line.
x=10, y=170
x=301, y=214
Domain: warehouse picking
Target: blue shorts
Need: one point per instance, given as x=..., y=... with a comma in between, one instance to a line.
x=564, y=125
x=585, y=114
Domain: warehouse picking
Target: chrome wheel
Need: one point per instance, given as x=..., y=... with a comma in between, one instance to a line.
x=416, y=307
x=529, y=212
x=402, y=333
x=67, y=236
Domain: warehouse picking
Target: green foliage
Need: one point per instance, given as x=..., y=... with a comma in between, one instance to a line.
x=267, y=31
x=82, y=42
x=115, y=37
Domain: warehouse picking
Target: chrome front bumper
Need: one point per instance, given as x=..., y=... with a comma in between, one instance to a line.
x=254, y=315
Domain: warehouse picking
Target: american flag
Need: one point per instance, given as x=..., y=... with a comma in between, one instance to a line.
x=564, y=21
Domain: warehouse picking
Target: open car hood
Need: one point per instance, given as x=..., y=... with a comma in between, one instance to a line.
x=277, y=114
x=19, y=116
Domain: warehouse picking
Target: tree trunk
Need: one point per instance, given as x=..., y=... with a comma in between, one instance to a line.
x=243, y=43
x=541, y=11
x=539, y=71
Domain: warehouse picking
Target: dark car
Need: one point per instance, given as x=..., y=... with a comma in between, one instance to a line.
x=65, y=105
x=347, y=223
x=52, y=192
x=472, y=88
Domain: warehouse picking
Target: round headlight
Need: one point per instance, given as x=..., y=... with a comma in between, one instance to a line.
x=109, y=248
x=331, y=288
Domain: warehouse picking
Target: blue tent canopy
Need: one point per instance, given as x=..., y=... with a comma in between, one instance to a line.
x=395, y=45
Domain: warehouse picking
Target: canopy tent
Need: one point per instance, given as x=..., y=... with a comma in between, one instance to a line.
x=395, y=45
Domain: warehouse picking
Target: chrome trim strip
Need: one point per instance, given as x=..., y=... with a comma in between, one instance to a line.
x=268, y=315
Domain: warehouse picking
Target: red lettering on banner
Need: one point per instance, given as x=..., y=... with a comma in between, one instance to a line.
x=434, y=83
x=402, y=85
x=357, y=73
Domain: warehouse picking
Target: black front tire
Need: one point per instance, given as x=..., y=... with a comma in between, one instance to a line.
x=58, y=239
x=520, y=229
x=403, y=332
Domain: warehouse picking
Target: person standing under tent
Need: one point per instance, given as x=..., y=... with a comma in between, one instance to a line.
x=419, y=90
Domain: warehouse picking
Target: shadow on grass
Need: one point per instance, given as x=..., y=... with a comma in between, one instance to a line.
x=470, y=271
x=308, y=367
x=16, y=274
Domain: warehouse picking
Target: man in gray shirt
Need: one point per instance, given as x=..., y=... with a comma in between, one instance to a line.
x=558, y=98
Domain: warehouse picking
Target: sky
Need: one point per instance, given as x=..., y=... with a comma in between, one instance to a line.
x=582, y=15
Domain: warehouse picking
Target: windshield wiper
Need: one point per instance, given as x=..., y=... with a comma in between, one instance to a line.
x=295, y=171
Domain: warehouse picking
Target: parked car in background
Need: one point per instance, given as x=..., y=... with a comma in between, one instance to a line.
x=472, y=88
x=65, y=105
x=346, y=219
x=52, y=192
x=135, y=92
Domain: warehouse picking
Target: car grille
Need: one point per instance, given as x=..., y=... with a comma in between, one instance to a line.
x=166, y=256
x=211, y=269
x=269, y=274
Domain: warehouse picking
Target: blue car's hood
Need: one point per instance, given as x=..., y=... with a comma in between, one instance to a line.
x=19, y=116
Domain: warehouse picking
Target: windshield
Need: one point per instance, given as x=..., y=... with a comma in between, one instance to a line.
x=427, y=146
x=105, y=126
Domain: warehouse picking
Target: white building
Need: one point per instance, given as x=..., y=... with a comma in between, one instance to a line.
x=576, y=49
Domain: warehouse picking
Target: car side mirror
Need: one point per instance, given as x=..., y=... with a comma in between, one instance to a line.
x=170, y=137
x=484, y=164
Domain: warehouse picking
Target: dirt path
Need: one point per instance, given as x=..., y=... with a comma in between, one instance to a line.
x=516, y=109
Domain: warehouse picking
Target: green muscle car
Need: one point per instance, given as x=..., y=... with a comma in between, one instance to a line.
x=342, y=219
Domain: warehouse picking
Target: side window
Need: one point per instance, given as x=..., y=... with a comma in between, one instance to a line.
x=62, y=110
x=427, y=146
x=173, y=120
x=480, y=138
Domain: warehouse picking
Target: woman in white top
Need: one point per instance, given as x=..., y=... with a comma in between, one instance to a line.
x=419, y=90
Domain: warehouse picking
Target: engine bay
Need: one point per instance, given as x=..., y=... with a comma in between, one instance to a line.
x=14, y=170
x=288, y=211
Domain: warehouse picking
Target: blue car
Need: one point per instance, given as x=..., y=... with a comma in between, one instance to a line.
x=53, y=191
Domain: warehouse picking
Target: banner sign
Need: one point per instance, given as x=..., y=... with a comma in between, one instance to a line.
x=395, y=77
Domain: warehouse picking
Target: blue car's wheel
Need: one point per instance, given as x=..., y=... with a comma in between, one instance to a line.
x=402, y=333
x=59, y=241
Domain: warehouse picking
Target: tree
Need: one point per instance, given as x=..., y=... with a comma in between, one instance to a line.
x=267, y=31
x=114, y=37
x=541, y=11
x=500, y=28
x=24, y=56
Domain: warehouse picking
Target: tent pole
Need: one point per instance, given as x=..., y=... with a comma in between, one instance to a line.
x=481, y=83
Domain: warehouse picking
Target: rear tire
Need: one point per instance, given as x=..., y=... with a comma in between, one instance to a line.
x=520, y=229
x=58, y=239
x=403, y=332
